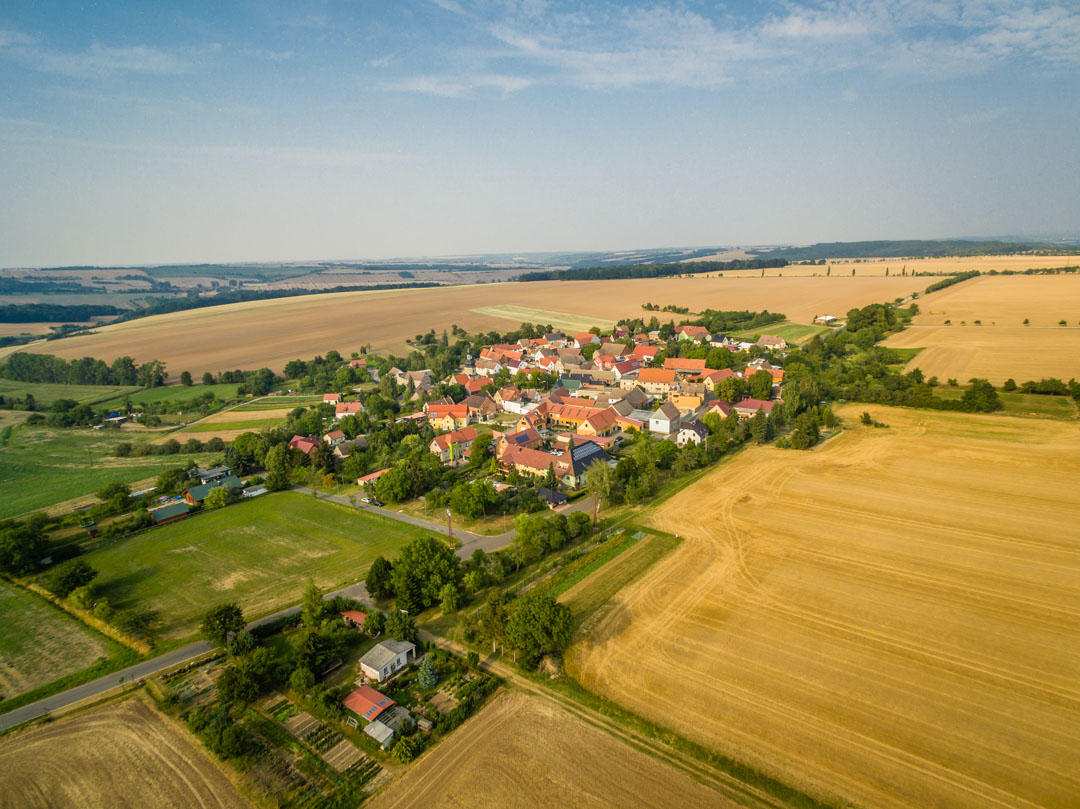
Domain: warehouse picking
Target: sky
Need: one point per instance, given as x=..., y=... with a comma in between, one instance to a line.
x=155, y=132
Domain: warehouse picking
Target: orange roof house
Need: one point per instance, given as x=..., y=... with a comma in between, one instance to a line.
x=684, y=365
x=368, y=702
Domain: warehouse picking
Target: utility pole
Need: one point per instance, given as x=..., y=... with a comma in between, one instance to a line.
x=449, y=527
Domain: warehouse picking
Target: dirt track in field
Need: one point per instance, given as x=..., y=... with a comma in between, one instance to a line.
x=521, y=751
x=270, y=333
x=113, y=757
x=1002, y=346
x=893, y=620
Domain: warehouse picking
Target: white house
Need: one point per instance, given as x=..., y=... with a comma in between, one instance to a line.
x=693, y=432
x=665, y=419
x=387, y=658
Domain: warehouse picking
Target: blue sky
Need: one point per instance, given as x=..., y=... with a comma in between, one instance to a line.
x=160, y=132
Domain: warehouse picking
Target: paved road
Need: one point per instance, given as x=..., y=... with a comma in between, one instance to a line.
x=146, y=668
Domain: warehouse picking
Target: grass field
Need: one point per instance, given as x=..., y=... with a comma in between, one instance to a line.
x=258, y=553
x=41, y=643
x=893, y=620
x=1023, y=404
x=244, y=425
x=179, y=393
x=45, y=394
x=521, y=750
x=118, y=756
x=560, y=320
x=270, y=333
x=792, y=332
x=1002, y=346
x=41, y=466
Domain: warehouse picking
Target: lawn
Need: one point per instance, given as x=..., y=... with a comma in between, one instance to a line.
x=277, y=402
x=41, y=643
x=45, y=394
x=177, y=393
x=792, y=332
x=1023, y=404
x=258, y=553
x=218, y=426
x=41, y=466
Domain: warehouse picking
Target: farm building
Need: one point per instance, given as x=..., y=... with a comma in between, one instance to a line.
x=386, y=658
x=749, y=407
x=367, y=702
x=170, y=513
x=196, y=494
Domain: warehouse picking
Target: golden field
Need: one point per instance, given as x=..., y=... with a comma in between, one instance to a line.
x=270, y=333
x=111, y=757
x=892, y=620
x=524, y=751
x=1001, y=347
x=950, y=264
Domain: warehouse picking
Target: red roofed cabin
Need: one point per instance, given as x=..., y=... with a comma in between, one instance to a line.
x=332, y=398
x=367, y=702
x=354, y=618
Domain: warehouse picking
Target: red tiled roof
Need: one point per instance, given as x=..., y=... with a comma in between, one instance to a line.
x=458, y=411
x=657, y=375
x=355, y=616
x=754, y=405
x=349, y=408
x=372, y=477
x=303, y=443
x=684, y=364
x=462, y=436
x=331, y=397
x=367, y=702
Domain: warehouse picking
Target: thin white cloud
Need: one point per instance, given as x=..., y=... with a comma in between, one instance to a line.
x=603, y=45
x=449, y=5
x=447, y=86
x=98, y=60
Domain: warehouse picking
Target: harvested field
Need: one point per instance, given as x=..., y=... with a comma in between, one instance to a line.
x=523, y=751
x=246, y=415
x=112, y=757
x=892, y=620
x=40, y=643
x=560, y=320
x=952, y=264
x=1001, y=347
x=270, y=333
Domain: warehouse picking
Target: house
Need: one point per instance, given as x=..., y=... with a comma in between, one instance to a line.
x=334, y=437
x=585, y=338
x=693, y=432
x=657, y=381
x=196, y=494
x=345, y=448
x=453, y=448
x=447, y=417
x=570, y=467
x=665, y=419
x=331, y=398
x=685, y=365
x=305, y=443
x=170, y=513
x=686, y=401
x=212, y=474
x=629, y=366
x=481, y=407
x=749, y=407
x=358, y=363
x=599, y=422
x=720, y=408
x=367, y=702
x=521, y=438
x=372, y=477
x=553, y=498
x=694, y=334
x=556, y=339
x=343, y=409
x=417, y=377
x=771, y=341
x=644, y=353
x=354, y=618
x=713, y=378
x=387, y=658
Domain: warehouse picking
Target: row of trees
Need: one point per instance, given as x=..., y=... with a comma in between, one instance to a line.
x=85, y=371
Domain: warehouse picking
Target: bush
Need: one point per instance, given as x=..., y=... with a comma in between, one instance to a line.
x=407, y=749
x=63, y=579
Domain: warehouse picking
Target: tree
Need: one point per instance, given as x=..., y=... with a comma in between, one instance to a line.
x=539, y=624
x=221, y=621
x=400, y=626
x=449, y=598
x=246, y=678
x=761, y=385
x=68, y=576
x=185, y=378
x=491, y=619
x=375, y=623
x=866, y=418
x=981, y=397
x=424, y=567
x=312, y=606
x=221, y=497
x=208, y=378
x=242, y=643
x=759, y=427
x=301, y=680
x=427, y=675
x=137, y=623
x=407, y=748
x=598, y=483
x=379, y=579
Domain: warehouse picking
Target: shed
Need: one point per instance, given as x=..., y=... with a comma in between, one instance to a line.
x=170, y=513
x=354, y=618
x=386, y=658
x=553, y=498
x=380, y=733
x=367, y=702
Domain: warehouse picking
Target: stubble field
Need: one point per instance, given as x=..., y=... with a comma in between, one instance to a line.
x=1001, y=346
x=270, y=333
x=523, y=751
x=892, y=620
x=117, y=756
x=949, y=264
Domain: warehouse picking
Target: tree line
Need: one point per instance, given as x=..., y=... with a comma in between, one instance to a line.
x=651, y=270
